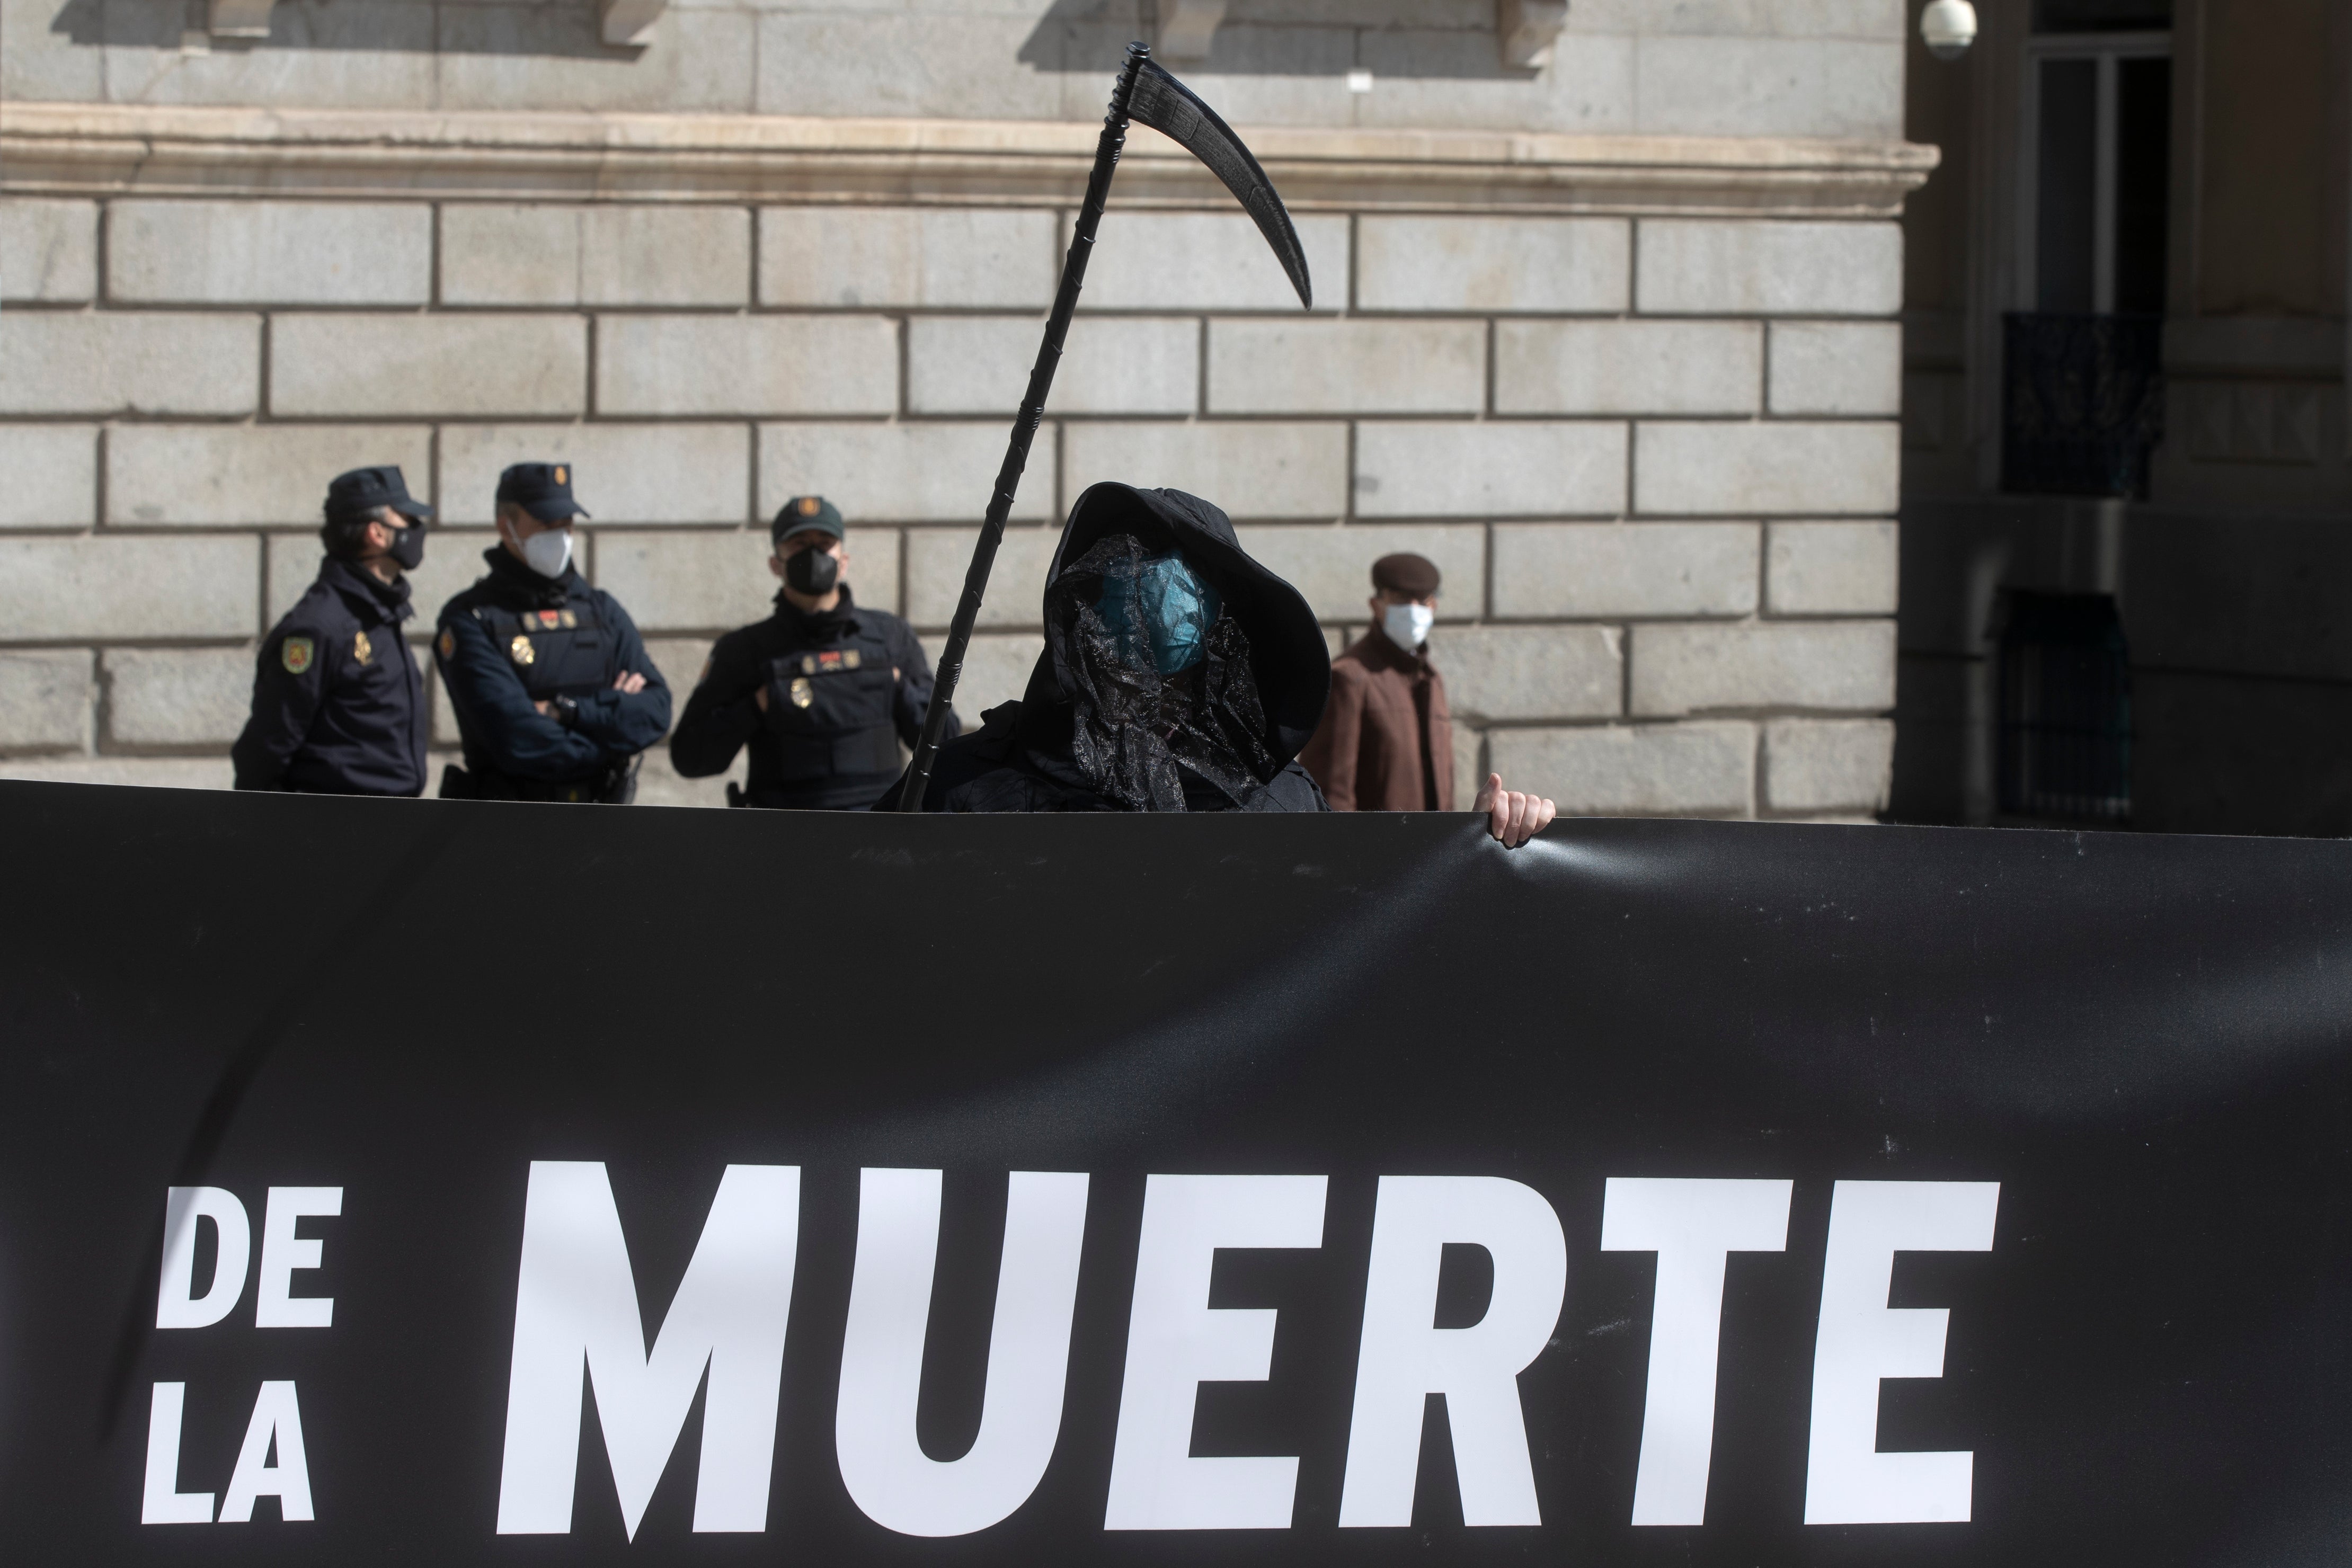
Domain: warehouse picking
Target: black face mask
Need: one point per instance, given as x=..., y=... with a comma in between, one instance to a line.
x=407, y=546
x=811, y=570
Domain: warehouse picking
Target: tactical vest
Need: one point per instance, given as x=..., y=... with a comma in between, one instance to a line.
x=561, y=652
x=829, y=709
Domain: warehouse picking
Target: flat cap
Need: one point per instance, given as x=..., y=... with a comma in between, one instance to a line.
x=807, y=514
x=1413, y=575
x=543, y=490
x=353, y=497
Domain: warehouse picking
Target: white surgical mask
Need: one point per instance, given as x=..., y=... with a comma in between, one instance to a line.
x=547, y=551
x=1408, y=625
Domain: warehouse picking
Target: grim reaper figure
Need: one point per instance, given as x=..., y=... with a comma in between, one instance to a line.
x=1178, y=675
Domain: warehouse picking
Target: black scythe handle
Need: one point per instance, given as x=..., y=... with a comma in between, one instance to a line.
x=1024, y=431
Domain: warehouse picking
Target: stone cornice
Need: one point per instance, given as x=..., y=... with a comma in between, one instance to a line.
x=115, y=150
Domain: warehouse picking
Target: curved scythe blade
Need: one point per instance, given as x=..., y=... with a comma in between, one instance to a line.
x=1174, y=110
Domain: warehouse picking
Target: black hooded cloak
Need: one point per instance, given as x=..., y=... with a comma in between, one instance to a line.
x=1224, y=738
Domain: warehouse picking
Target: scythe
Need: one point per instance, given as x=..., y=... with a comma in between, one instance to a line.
x=1148, y=95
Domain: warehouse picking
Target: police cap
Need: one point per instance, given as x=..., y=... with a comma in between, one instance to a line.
x=543, y=490
x=807, y=514
x=353, y=497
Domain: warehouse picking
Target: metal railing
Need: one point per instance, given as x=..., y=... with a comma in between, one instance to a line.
x=2082, y=402
x=2065, y=718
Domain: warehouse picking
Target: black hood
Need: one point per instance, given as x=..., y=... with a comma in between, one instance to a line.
x=1287, y=656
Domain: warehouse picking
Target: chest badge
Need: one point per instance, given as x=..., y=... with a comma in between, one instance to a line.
x=297, y=655
x=361, y=649
x=448, y=644
x=803, y=693
x=521, y=650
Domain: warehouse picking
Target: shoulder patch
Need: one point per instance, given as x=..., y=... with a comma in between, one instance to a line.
x=297, y=653
x=448, y=642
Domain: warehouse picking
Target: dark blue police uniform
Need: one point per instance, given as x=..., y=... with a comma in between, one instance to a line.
x=845, y=686
x=518, y=638
x=338, y=701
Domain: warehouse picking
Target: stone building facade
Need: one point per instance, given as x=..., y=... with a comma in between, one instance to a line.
x=1611, y=335
x=2207, y=145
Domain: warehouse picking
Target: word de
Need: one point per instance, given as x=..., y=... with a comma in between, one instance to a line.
x=177, y=1306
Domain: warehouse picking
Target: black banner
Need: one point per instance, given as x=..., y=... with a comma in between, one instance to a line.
x=404, y=1183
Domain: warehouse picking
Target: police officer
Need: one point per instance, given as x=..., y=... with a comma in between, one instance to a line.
x=338, y=704
x=553, y=693
x=823, y=691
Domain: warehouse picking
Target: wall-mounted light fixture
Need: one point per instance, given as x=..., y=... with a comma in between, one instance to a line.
x=1948, y=27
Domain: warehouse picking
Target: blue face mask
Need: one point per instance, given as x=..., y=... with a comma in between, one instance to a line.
x=1176, y=609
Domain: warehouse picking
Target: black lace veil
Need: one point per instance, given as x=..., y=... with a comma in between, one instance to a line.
x=1136, y=734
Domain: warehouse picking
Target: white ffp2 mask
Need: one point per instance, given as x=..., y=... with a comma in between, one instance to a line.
x=548, y=552
x=1408, y=625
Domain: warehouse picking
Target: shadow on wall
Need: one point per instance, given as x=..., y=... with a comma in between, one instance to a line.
x=548, y=28
x=1434, y=39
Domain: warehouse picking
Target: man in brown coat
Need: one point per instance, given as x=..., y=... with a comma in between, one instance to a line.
x=1386, y=743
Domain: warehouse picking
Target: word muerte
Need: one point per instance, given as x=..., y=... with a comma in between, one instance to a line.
x=576, y=1303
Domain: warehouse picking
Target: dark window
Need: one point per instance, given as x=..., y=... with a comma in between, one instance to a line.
x=2066, y=200
x=2102, y=16
x=2082, y=396
x=2065, y=708
x=2143, y=168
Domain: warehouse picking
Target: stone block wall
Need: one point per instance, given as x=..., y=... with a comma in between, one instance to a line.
x=1611, y=337
x=1830, y=68
x=1655, y=456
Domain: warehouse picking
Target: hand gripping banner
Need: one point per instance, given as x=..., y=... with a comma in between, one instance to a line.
x=391, y=1183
